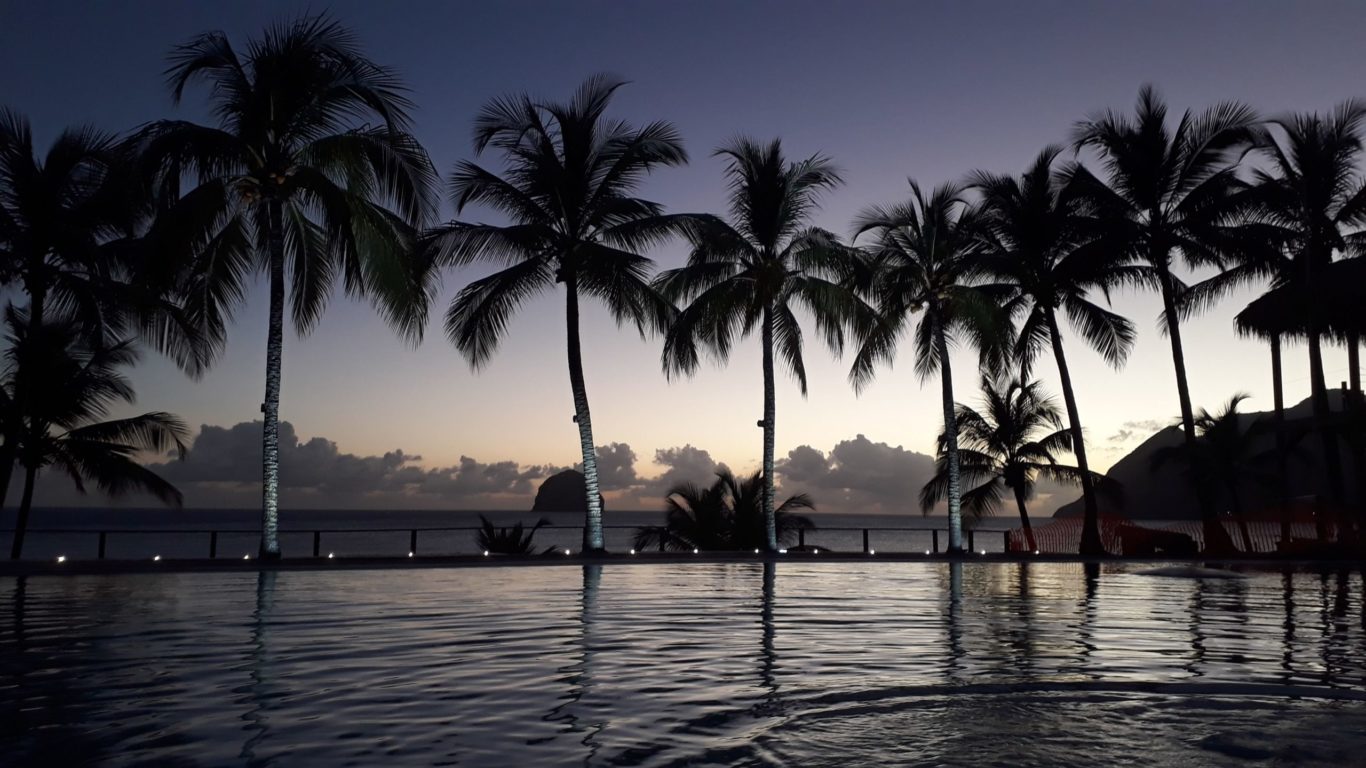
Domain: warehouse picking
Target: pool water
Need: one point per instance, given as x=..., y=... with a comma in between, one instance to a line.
x=834, y=664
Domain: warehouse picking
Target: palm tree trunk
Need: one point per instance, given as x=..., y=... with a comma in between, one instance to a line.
x=1282, y=451
x=1332, y=457
x=1091, y=543
x=1216, y=537
x=9, y=453
x=950, y=441
x=770, y=414
x=270, y=408
x=592, y=529
x=21, y=521
x=1024, y=520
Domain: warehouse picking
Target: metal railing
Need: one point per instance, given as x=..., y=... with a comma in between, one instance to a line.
x=139, y=543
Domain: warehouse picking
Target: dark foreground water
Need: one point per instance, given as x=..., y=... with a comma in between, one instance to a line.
x=803, y=665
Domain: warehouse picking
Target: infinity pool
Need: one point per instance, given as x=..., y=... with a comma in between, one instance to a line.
x=709, y=664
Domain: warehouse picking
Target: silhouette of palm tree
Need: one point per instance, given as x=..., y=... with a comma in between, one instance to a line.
x=1002, y=448
x=1171, y=194
x=1315, y=200
x=727, y=515
x=924, y=256
x=1046, y=257
x=69, y=220
x=76, y=384
x=568, y=188
x=290, y=180
x=1222, y=456
x=753, y=271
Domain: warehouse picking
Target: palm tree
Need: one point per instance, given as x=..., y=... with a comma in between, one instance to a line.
x=1046, y=259
x=75, y=383
x=290, y=180
x=728, y=515
x=1171, y=194
x=69, y=225
x=1222, y=456
x=1315, y=197
x=568, y=189
x=924, y=255
x=755, y=270
x=1008, y=445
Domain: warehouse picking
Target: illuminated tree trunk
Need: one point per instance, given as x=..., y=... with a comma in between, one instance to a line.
x=1024, y=519
x=950, y=440
x=270, y=409
x=592, y=529
x=1091, y=543
x=770, y=413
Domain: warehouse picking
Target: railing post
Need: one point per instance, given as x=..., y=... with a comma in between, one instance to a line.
x=934, y=541
x=1005, y=541
x=317, y=543
x=412, y=542
x=972, y=544
x=103, y=536
x=213, y=544
x=865, y=541
x=662, y=532
x=801, y=537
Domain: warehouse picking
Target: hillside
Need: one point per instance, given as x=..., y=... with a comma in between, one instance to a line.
x=1166, y=495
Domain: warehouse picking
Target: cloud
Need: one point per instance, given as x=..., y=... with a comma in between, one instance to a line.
x=223, y=469
x=857, y=475
x=1141, y=430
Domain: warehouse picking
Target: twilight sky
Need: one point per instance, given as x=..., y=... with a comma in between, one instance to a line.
x=888, y=89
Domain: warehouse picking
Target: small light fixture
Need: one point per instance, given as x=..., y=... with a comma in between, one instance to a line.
x=782, y=551
x=872, y=551
x=410, y=554
x=927, y=551
x=329, y=555
x=155, y=558
x=246, y=557
x=756, y=551
x=566, y=552
x=1036, y=551
x=694, y=550
x=633, y=551
x=61, y=558
x=486, y=553
x=983, y=552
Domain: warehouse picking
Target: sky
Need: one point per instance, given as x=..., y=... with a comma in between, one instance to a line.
x=889, y=90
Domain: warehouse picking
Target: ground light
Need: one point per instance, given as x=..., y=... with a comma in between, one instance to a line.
x=566, y=552
x=486, y=553
x=633, y=551
x=410, y=554
x=1036, y=551
x=872, y=551
x=782, y=551
x=61, y=558
x=246, y=557
x=329, y=555
x=983, y=552
x=694, y=550
x=927, y=551
x=155, y=558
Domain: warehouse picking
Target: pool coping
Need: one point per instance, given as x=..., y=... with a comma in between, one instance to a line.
x=251, y=565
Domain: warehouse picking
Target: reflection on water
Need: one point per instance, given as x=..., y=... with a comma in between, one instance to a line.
x=740, y=664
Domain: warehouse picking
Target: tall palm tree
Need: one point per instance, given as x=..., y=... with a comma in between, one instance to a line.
x=1222, y=456
x=752, y=272
x=1172, y=196
x=75, y=385
x=727, y=515
x=70, y=220
x=1008, y=445
x=1045, y=257
x=925, y=255
x=292, y=182
x=568, y=189
x=1315, y=196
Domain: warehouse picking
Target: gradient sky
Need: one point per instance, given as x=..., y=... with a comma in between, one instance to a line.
x=888, y=89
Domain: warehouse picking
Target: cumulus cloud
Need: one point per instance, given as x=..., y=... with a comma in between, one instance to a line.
x=1140, y=430
x=223, y=469
x=857, y=475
